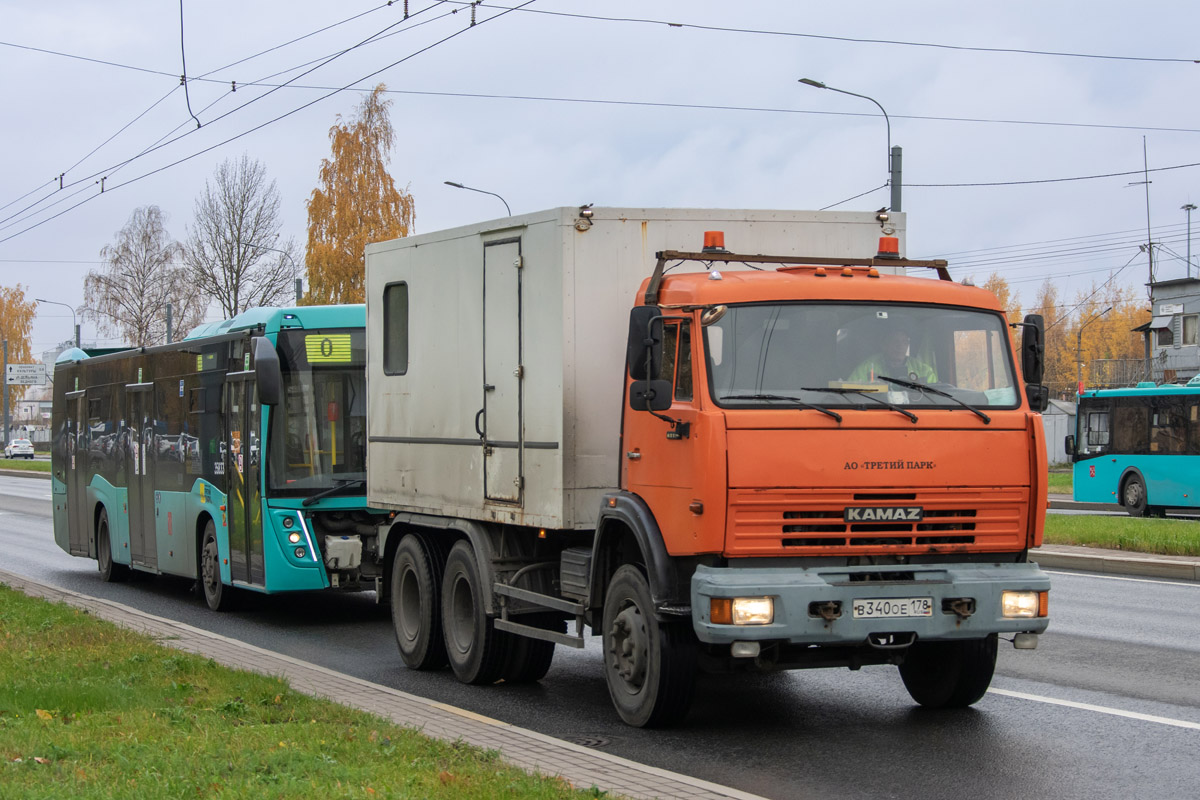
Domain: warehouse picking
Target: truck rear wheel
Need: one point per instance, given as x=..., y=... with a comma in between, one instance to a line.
x=649, y=666
x=949, y=674
x=475, y=649
x=110, y=571
x=416, y=597
x=529, y=659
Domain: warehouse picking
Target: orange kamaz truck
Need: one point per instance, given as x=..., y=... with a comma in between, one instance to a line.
x=724, y=441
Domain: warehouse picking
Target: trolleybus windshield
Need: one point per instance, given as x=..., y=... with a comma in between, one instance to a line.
x=318, y=430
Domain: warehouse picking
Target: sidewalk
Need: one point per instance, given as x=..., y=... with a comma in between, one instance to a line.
x=526, y=749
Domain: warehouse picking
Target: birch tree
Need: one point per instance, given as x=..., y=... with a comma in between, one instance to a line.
x=128, y=296
x=233, y=252
x=16, y=326
x=356, y=203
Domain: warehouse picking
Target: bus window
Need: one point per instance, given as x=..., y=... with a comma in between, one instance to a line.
x=1167, y=430
x=1096, y=431
x=1131, y=429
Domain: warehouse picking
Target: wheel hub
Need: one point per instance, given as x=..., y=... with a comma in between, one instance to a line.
x=627, y=650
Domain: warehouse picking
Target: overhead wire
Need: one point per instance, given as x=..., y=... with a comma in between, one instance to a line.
x=278, y=118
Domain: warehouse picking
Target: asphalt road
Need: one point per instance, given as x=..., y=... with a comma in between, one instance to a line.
x=1107, y=707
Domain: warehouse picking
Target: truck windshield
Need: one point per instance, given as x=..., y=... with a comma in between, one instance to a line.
x=830, y=355
x=318, y=430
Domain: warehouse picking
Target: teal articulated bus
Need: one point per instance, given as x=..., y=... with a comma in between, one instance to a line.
x=236, y=456
x=1138, y=447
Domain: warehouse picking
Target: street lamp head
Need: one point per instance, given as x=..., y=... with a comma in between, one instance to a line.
x=455, y=185
x=811, y=82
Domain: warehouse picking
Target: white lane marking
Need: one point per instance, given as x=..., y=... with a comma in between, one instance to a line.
x=1191, y=584
x=1116, y=712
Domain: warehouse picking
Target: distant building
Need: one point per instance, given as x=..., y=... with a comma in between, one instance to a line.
x=1173, y=334
x=1058, y=420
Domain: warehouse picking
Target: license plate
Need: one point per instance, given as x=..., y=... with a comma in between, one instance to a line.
x=891, y=607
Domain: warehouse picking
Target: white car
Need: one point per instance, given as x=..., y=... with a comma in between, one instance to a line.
x=19, y=448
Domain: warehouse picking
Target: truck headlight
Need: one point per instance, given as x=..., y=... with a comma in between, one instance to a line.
x=1024, y=604
x=742, y=610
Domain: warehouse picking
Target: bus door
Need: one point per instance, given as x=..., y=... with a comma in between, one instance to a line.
x=500, y=423
x=242, y=466
x=78, y=518
x=139, y=450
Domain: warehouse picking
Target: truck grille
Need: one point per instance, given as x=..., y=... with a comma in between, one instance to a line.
x=793, y=522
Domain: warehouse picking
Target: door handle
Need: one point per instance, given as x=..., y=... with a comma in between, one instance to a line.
x=478, y=416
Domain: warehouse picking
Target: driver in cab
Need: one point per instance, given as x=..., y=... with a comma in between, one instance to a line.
x=894, y=361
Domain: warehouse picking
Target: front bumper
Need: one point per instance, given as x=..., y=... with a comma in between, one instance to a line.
x=796, y=590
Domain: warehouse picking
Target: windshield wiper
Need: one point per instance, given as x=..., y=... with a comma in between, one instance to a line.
x=786, y=399
x=339, y=487
x=923, y=389
x=869, y=395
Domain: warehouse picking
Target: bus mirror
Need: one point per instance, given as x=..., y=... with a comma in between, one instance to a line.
x=1033, y=334
x=1039, y=396
x=267, y=374
x=1069, y=444
x=645, y=342
x=650, y=395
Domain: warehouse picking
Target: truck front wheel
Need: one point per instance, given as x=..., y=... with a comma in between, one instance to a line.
x=650, y=667
x=949, y=674
x=416, y=596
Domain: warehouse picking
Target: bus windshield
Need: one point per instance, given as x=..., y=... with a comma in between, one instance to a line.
x=317, y=438
x=850, y=354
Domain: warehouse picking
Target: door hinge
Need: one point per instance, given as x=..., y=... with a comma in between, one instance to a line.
x=519, y=482
x=519, y=372
x=518, y=262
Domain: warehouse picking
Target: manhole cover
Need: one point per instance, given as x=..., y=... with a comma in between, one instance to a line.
x=589, y=741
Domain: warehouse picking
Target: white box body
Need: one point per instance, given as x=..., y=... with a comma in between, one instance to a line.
x=517, y=328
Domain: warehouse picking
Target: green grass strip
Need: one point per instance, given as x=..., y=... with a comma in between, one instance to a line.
x=25, y=464
x=90, y=710
x=1060, y=483
x=1172, y=537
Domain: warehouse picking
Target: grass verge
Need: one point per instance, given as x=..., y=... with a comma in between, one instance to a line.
x=25, y=464
x=1060, y=483
x=90, y=710
x=1172, y=537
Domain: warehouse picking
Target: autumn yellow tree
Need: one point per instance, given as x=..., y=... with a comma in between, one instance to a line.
x=1010, y=301
x=357, y=203
x=1101, y=333
x=1060, y=350
x=16, y=327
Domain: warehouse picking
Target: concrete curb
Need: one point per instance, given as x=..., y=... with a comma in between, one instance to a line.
x=534, y=752
x=1108, y=562
x=24, y=473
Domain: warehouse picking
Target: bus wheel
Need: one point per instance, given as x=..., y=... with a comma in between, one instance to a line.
x=475, y=649
x=110, y=571
x=529, y=659
x=949, y=674
x=218, y=596
x=416, y=590
x=649, y=666
x=1133, y=496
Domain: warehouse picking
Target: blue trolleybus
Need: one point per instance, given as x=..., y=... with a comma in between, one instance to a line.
x=236, y=456
x=1138, y=447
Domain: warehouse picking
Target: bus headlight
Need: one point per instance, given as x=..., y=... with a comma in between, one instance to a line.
x=294, y=537
x=1024, y=604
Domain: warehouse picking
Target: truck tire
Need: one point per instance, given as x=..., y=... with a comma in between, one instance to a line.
x=110, y=571
x=949, y=674
x=218, y=596
x=649, y=666
x=416, y=600
x=475, y=649
x=528, y=659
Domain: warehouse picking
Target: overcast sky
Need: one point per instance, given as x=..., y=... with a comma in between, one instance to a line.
x=617, y=109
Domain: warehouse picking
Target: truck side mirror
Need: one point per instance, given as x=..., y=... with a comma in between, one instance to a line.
x=1038, y=395
x=1069, y=444
x=267, y=374
x=650, y=395
x=1033, y=348
x=644, y=351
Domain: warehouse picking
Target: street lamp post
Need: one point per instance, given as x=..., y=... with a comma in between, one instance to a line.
x=1079, y=342
x=1189, y=208
x=481, y=191
x=73, y=318
x=894, y=154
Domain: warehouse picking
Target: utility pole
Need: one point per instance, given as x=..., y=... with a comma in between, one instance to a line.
x=1189, y=208
x=896, y=179
x=1146, y=181
x=168, y=323
x=6, y=391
